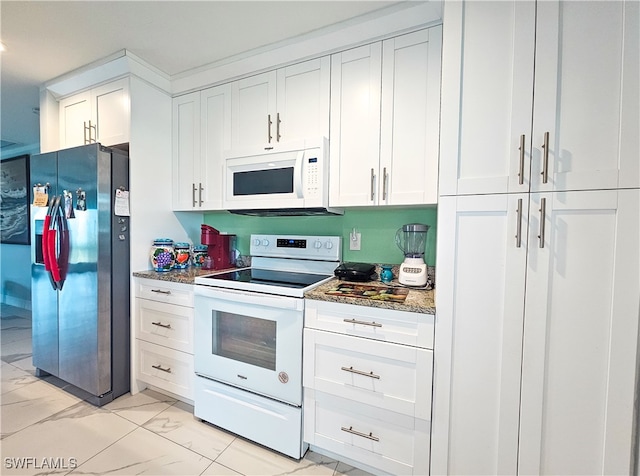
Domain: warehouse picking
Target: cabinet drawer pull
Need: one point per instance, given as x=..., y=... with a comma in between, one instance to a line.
x=364, y=323
x=357, y=433
x=160, y=291
x=278, y=136
x=545, y=159
x=160, y=324
x=85, y=132
x=159, y=367
x=193, y=195
x=200, y=193
x=360, y=372
x=269, y=136
x=521, y=149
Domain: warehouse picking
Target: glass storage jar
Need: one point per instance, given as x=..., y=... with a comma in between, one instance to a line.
x=183, y=253
x=162, y=254
x=199, y=254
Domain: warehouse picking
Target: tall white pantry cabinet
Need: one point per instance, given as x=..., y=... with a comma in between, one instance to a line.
x=538, y=250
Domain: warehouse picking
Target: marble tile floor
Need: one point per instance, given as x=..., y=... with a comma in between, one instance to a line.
x=45, y=430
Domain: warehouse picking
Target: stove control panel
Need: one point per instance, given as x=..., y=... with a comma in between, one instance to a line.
x=327, y=248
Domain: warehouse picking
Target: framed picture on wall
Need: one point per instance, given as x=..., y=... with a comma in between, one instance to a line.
x=14, y=205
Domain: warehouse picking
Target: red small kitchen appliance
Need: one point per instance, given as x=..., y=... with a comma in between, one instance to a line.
x=220, y=246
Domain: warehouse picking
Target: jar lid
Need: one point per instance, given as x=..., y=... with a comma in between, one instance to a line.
x=200, y=248
x=182, y=244
x=164, y=241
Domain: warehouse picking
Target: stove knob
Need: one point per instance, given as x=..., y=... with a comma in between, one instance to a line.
x=265, y=242
x=318, y=244
x=328, y=245
x=257, y=242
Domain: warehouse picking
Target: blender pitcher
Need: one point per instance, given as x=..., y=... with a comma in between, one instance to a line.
x=412, y=240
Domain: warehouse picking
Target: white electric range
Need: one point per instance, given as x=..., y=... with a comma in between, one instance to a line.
x=248, y=339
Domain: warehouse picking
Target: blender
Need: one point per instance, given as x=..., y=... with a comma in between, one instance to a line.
x=412, y=239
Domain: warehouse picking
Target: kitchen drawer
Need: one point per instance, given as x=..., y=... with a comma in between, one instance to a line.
x=165, y=291
x=165, y=324
x=166, y=369
x=388, y=325
x=390, y=442
x=389, y=376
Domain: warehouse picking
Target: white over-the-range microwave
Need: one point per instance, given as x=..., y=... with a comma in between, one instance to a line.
x=289, y=179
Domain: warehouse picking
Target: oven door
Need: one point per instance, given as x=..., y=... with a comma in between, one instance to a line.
x=250, y=340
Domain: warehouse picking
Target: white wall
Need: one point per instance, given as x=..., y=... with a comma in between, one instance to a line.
x=15, y=260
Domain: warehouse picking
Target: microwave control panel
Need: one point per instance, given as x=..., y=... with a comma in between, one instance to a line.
x=312, y=187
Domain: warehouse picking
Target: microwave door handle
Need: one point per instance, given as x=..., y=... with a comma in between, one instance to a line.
x=298, y=174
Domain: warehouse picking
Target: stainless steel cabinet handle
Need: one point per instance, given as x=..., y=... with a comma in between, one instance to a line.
x=373, y=179
x=159, y=367
x=521, y=149
x=85, y=132
x=364, y=323
x=160, y=324
x=269, y=137
x=278, y=127
x=543, y=212
x=357, y=433
x=200, y=193
x=193, y=195
x=385, y=179
x=94, y=139
x=160, y=291
x=360, y=372
x=545, y=159
x=519, y=225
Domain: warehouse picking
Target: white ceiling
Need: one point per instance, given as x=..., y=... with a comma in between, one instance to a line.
x=45, y=39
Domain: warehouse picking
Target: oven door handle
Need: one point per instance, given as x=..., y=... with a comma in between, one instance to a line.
x=240, y=297
x=298, y=174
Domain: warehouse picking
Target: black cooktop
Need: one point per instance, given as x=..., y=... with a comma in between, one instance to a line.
x=270, y=277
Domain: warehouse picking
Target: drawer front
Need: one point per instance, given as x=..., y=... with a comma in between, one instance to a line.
x=393, y=443
x=387, y=325
x=165, y=324
x=167, y=369
x=388, y=376
x=165, y=291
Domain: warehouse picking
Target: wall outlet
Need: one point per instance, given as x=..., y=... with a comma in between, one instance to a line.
x=354, y=244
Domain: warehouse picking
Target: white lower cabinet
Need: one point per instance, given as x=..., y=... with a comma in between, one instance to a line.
x=163, y=338
x=367, y=400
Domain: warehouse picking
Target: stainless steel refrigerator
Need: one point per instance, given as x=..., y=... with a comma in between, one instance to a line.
x=80, y=270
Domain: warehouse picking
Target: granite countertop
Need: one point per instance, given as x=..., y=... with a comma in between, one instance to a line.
x=417, y=300
x=185, y=276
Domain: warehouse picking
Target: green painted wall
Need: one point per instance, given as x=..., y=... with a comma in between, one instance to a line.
x=377, y=225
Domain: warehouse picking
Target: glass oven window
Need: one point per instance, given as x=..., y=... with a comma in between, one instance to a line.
x=245, y=339
x=263, y=182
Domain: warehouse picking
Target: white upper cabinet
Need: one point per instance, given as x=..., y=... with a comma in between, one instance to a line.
x=101, y=114
x=410, y=118
x=580, y=131
x=385, y=107
x=201, y=133
x=215, y=138
x=186, y=151
x=355, y=125
x=586, y=98
x=284, y=105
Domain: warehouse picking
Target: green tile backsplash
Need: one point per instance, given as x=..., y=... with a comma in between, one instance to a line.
x=378, y=227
